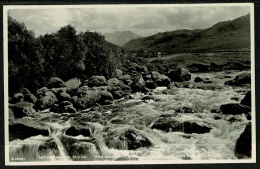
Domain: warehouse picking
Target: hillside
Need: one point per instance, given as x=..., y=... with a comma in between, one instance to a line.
x=120, y=38
x=233, y=34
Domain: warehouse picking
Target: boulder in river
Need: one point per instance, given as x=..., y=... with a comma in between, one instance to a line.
x=90, y=98
x=160, y=79
x=49, y=147
x=168, y=125
x=79, y=129
x=18, y=97
x=138, y=84
x=22, y=109
x=150, y=84
x=193, y=127
x=198, y=79
x=44, y=102
x=247, y=99
x=240, y=80
x=127, y=138
x=244, y=143
x=25, y=128
x=180, y=75
x=96, y=81
x=234, y=108
x=113, y=82
x=126, y=79
x=73, y=83
x=66, y=107
x=55, y=82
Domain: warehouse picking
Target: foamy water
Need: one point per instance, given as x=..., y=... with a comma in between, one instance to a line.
x=219, y=143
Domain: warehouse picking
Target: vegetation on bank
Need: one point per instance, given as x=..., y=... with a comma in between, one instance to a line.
x=32, y=61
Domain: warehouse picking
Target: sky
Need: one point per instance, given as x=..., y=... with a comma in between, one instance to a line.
x=142, y=20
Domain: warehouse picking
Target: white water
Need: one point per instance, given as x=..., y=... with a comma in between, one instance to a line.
x=218, y=144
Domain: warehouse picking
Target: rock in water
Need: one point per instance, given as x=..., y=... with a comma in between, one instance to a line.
x=247, y=99
x=193, y=127
x=168, y=125
x=240, y=80
x=25, y=128
x=234, y=108
x=44, y=103
x=55, y=82
x=138, y=84
x=244, y=143
x=78, y=129
x=96, y=81
x=49, y=147
x=18, y=97
x=113, y=82
x=90, y=98
x=198, y=79
x=160, y=79
x=127, y=139
x=180, y=75
x=22, y=109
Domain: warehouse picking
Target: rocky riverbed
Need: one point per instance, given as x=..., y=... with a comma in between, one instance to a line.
x=147, y=116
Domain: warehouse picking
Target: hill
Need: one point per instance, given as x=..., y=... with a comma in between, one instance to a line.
x=120, y=38
x=226, y=35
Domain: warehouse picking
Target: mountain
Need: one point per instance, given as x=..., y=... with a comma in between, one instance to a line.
x=233, y=34
x=120, y=38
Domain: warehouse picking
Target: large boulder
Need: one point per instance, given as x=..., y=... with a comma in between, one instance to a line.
x=168, y=125
x=160, y=79
x=49, y=147
x=126, y=79
x=247, y=99
x=180, y=75
x=193, y=127
x=66, y=107
x=150, y=84
x=25, y=128
x=113, y=82
x=234, y=108
x=78, y=129
x=55, y=82
x=18, y=97
x=244, y=143
x=138, y=84
x=127, y=139
x=240, y=80
x=73, y=83
x=90, y=98
x=63, y=96
x=105, y=96
x=44, y=102
x=30, y=98
x=22, y=109
x=198, y=79
x=96, y=81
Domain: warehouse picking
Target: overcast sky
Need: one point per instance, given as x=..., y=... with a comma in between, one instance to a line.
x=144, y=21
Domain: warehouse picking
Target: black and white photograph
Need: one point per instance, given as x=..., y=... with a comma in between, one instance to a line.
x=129, y=84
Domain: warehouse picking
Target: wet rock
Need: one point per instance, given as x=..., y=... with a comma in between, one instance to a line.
x=25, y=128
x=49, y=147
x=96, y=81
x=244, y=143
x=18, y=97
x=44, y=103
x=90, y=98
x=55, y=82
x=113, y=82
x=66, y=107
x=168, y=125
x=125, y=88
x=148, y=97
x=240, y=80
x=160, y=79
x=234, y=108
x=201, y=67
x=117, y=94
x=22, y=109
x=185, y=110
x=247, y=99
x=150, y=84
x=63, y=96
x=73, y=83
x=138, y=84
x=126, y=79
x=233, y=119
x=51, y=94
x=105, y=96
x=78, y=129
x=180, y=75
x=30, y=98
x=207, y=81
x=127, y=139
x=193, y=127
x=198, y=79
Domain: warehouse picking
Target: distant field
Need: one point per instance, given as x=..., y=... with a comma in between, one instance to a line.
x=206, y=58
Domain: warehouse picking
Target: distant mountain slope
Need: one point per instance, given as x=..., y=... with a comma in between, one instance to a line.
x=233, y=34
x=120, y=38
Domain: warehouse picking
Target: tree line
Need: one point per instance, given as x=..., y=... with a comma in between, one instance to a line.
x=32, y=61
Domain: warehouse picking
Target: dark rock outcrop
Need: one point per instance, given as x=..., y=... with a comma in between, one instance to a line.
x=180, y=75
x=247, y=99
x=44, y=103
x=25, y=128
x=55, y=82
x=160, y=79
x=96, y=81
x=22, y=109
x=18, y=97
x=90, y=98
x=234, y=108
x=193, y=127
x=244, y=143
x=198, y=79
x=138, y=84
x=168, y=125
x=78, y=129
x=240, y=80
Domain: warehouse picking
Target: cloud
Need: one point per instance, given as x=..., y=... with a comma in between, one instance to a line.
x=141, y=20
